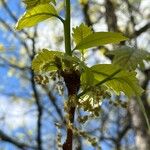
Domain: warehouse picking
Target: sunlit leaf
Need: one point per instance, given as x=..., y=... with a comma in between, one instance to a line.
x=45, y=61
x=123, y=81
x=80, y=32
x=32, y=3
x=73, y=61
x=35, y=15
x=100, y=38
x=87, y=76
x=129, y=58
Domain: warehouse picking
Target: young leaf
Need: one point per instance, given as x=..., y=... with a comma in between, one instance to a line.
x=32, y=3
x=129, y=58
x=80, y=32
x=73, y=61
x=122, y=81
x=45, y=61
x=35, y=15
x=87, y=78
x=100, y=38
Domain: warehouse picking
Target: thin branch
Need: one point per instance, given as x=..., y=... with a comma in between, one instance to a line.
x=13, y=65
x=37, y=98
x=111, y=18
x=53, y=101
x=15, y=142
x=130, y=10
x=9, y=28
x=85, y=9
x=13, y=16
x=141, y=30
x=39, y=108
x=9, y=11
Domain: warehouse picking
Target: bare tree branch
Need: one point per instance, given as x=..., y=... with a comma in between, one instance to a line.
x=141, y=30
x=13, y=16
x=15, y=142
x=9, y=28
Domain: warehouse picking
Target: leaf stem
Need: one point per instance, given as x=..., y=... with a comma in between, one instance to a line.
x=67, y=28
x=60, y=18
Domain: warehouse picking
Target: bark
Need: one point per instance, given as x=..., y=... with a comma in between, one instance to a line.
x=142, y=137
x=110, y=16
x=72, y=81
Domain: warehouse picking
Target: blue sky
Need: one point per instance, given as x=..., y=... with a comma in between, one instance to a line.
x=12, y=85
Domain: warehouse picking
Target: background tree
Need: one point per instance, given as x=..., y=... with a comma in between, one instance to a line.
x=135, y=26
x=43, y=104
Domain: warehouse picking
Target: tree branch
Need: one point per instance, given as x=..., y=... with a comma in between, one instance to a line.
x=141, y=30
x=110, y=16
x=37, y=98
x=72, y=81
x=15, y=142
x=9, y=28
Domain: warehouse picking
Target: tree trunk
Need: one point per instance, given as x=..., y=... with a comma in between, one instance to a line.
x=142, y=137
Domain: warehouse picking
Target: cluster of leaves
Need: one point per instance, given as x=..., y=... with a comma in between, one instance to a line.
x=120, y=76
x=36, y=11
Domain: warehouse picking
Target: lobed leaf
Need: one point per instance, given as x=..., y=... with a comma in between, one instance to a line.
x=129, y=58
x=80, y=32
x=35, y=15
x=45, y=61
x=87, y=78
x=100, y=38
x=123, y=81
x=70, y=61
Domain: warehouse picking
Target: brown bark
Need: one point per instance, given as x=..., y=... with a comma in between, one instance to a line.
x=72, y=81
x=68, y=145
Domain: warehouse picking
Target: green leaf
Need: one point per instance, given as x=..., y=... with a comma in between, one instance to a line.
x=122, y=81
x=35, y=15
x=100, y=38
x=70, y=61
x=129, y=58
x=80, y=32
x=32, y=3
x=87, y=78
x=45, y=61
